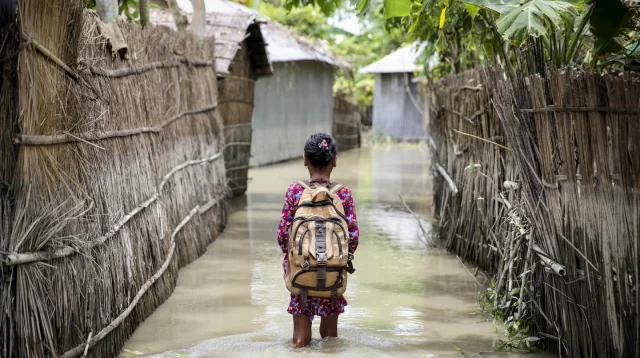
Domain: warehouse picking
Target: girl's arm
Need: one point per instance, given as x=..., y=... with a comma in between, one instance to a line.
x=291, y=199
x=352, y=220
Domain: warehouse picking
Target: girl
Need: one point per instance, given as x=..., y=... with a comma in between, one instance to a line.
x=320, y=159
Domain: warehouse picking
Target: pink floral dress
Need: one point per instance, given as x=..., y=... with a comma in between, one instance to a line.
x=316, y=306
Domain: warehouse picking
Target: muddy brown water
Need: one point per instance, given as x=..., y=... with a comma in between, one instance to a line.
x=404, y=300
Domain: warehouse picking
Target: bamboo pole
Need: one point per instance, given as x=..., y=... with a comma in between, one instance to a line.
x=143, y=9
x=452, y=185
x=122, y=72
x=39, y=139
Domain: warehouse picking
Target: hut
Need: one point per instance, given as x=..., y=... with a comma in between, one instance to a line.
x=397, y=105
x=296, y=101
x=241, y=58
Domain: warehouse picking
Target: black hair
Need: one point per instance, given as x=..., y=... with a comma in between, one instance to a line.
x=317, y=152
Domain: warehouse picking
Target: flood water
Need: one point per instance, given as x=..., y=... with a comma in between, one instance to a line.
x=404, y=300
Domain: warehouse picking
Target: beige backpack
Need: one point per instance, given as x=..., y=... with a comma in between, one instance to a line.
x=319, y=256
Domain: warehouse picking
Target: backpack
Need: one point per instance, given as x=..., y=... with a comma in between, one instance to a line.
x=319, y=254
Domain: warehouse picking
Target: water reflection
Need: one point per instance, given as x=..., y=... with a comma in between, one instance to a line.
x=403, y=300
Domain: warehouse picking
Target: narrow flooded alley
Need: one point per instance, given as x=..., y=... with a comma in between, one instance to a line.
x=404, y=299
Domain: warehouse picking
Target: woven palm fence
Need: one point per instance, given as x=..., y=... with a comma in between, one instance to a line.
x=539, y=184
x=114, y=182
x=346, y=122
x=236, y=109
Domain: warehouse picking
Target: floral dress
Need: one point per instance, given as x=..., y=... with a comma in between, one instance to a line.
x=316, y=306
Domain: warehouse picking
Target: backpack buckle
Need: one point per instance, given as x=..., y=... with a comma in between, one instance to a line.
x=305, y=265
x=321, y=257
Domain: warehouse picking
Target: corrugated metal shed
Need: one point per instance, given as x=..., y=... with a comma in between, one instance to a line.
x=403, y=60
x=396, y=100
x=291, y=105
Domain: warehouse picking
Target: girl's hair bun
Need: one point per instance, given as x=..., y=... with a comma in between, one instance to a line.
x=320, y=149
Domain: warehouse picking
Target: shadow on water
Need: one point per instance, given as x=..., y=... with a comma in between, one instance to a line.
x=404, y=300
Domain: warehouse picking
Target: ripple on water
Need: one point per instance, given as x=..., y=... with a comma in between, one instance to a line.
x=352, y=342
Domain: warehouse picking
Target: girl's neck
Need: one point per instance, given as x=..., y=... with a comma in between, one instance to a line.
x=320, y=177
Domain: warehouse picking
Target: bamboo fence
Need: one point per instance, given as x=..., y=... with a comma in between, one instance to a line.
x=547, y=174
x=113, y=180
x=346, y=123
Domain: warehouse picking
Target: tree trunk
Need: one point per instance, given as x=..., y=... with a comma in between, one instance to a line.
x=181, y=20
x=199, y=20
x=143, y=7
x=107, y=10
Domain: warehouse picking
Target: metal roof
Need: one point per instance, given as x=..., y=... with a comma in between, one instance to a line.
x=282, y=44
x=400, y=61
x=285, y=46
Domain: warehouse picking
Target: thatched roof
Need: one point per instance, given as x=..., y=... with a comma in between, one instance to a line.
x=282, y=44
x=402, y=60
x=230, y=27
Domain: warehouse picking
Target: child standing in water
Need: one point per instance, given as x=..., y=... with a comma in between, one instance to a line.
x=320, y=158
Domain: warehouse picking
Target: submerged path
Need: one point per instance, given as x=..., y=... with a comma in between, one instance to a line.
x=404, y=300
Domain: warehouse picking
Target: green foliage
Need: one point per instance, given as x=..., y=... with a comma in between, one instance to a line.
x=129, y=8
x=375, y=42
x=609, y=23
x=505, y=313
x=468, y=33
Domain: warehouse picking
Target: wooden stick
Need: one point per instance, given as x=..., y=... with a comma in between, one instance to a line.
x=452, y=185
x=39, y=139
x=581, y=109
x=48, y=54
x=128, y=71
x=482, y=139
x=418, y=219
x=548, y=261
x=86, y=348
x=470, y=274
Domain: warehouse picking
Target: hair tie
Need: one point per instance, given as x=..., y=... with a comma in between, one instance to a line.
x=324, y=144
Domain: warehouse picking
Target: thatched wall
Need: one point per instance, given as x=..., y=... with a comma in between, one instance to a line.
x=346, y=123
x=236, y=109
x=568, y=237
x=117, y=181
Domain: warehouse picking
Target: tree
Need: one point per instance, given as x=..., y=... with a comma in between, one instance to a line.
x=107, y=10
x=143, y=7
x=467, y=33
x=199, y=20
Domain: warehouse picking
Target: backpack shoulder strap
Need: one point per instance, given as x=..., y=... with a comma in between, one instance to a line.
x=335, y=188
x=305, y=184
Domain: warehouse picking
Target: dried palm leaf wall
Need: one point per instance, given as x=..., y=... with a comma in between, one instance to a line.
x=236, y=109
x=564, y=245
x=117, y=183
x=346, y=123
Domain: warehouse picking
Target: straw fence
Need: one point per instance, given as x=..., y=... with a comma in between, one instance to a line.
x=538, y=183
x=236, y=109
x=114, y=182
x=346, y=123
